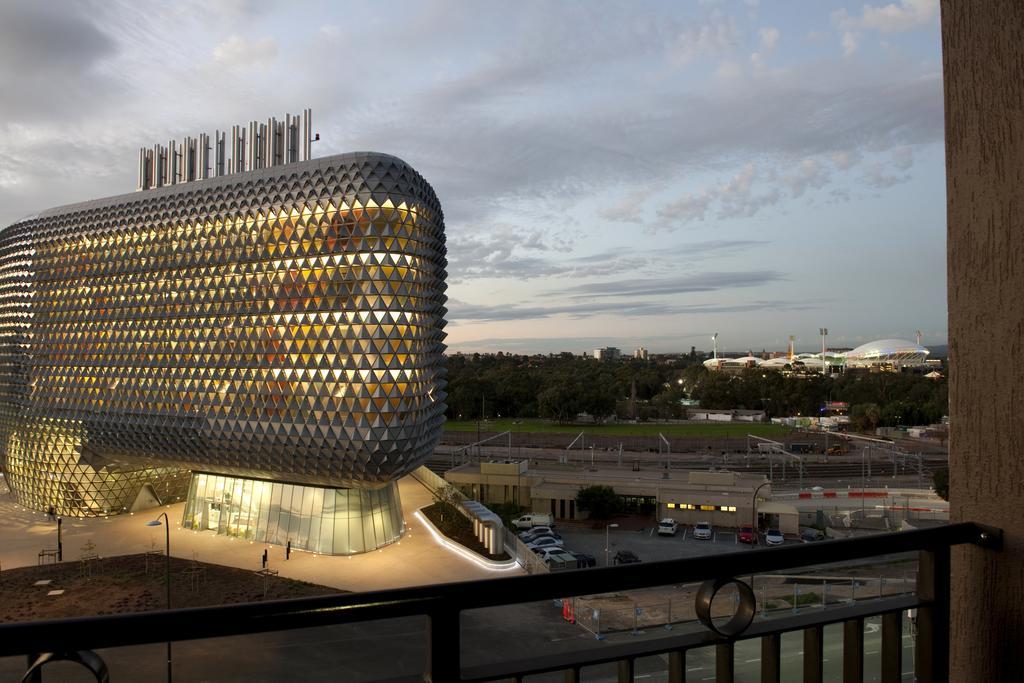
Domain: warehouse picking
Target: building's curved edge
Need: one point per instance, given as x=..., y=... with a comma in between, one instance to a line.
x=280, y=171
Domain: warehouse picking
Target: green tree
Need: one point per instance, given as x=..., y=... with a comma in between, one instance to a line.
x=865, y=416
x=941, y=481
x=600, y=501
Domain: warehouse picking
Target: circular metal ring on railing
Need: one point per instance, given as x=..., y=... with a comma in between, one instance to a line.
x=745, y=610
x=87, y=658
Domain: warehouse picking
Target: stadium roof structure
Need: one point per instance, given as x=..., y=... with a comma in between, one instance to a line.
x=899, y=352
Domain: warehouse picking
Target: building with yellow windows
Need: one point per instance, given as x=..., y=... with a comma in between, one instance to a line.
x=267, y=341
x=723, y=498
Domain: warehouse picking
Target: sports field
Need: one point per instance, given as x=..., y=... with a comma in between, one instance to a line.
x=536, y=426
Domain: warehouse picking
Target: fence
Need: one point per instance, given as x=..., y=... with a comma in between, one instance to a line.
x=603, y=615
x=445, y=607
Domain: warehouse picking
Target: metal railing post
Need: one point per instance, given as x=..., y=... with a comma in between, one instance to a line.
x=677, y=666
x=853, y=650
x=892, y=647
x=771, y=658
x=444, y=647
x=725, y=669
x=932, y=651
x=813, y=654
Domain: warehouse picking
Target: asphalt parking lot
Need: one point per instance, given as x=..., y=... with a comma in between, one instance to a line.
x=648, y=545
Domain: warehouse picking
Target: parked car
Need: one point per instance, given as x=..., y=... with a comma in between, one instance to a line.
x=667, y=527
x=625, y=557
x=584, y=560
x=746, y=534
x=545, y=542
x=811, y=535
x=703, y=531
x=541, y=537
x=774, y=537
x=533, y=519
x=536, y=532
x=552, y=553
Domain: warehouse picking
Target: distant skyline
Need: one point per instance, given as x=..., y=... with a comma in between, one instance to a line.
x=613, y=174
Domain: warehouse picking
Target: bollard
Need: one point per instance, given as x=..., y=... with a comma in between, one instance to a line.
x=288, y=551
x=264, y=558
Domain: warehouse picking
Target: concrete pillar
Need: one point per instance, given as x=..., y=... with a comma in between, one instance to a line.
x=983, y=68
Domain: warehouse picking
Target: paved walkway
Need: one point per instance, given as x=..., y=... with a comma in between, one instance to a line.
x=414, y=561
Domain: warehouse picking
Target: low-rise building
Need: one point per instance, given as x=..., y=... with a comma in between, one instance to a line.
x=723, y=498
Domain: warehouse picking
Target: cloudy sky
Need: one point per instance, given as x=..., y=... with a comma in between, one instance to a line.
x=627, y=174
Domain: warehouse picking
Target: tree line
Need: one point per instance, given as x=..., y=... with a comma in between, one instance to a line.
x=560, y=387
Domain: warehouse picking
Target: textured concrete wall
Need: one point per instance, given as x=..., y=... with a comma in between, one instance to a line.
x=983, y=55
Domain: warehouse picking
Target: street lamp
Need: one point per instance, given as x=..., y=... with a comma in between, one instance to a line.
x=606, y=528
x=167, y=528
x=753, y=513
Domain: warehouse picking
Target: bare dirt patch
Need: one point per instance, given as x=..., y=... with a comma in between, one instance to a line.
x=135, y=583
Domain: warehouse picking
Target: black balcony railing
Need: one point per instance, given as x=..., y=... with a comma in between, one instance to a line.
x=443, y=604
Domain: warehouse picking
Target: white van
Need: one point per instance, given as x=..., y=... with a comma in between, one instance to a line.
x=533, y=519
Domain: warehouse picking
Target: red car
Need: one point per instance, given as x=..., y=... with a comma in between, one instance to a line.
x=746, y=534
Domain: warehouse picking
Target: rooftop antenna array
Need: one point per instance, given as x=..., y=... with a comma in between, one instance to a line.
x=257, y=145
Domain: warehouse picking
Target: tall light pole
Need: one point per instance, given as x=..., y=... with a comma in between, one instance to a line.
x=753, y=514
x=823, y=331
x=714, y=340
x=167, y=528
x=606, y=528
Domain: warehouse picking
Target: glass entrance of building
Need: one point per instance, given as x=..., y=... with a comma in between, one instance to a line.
x=323, y=520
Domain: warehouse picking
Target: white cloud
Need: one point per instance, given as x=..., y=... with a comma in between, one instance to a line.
x=907, y=15
x=628, y=210
x=809, y=173
x=846, y=159
x=876, y=176
x=693, y=42
x=236, y=51
x=849, y=43
x=769, y=37
x=689, y=207
x=903, y=157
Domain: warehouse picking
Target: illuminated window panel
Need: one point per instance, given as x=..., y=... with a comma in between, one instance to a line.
x=281, y=325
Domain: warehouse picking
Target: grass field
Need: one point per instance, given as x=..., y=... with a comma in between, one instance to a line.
x=642, y=429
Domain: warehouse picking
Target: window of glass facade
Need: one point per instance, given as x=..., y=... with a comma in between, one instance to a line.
x=322, y=520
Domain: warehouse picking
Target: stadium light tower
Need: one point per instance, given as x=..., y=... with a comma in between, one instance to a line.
x=823, y=331
x=918, y=333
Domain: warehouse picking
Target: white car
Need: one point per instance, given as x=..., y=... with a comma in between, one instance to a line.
x=547, y=554
x=546, y=542
x=536, y=532
x=702, y=531
x=774, y=537
x=667, y=527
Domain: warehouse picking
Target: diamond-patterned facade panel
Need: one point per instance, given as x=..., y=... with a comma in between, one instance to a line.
x=284, y=324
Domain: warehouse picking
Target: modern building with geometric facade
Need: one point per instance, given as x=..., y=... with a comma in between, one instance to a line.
x=276, y=332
